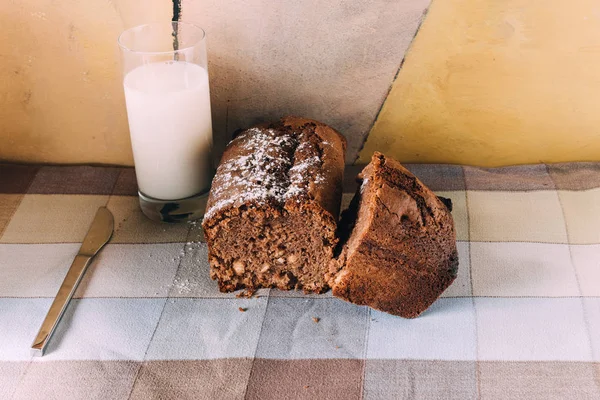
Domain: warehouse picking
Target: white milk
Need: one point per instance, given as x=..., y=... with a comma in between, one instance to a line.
x=168, y=106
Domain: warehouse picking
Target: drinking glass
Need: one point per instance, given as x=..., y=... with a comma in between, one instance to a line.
x=165, y=79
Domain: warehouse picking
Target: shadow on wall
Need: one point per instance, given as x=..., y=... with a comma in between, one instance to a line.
x=330, y=61
x=243, y=94
x=242, y=98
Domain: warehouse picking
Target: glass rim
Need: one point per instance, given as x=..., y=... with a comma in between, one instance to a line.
x=178, y=23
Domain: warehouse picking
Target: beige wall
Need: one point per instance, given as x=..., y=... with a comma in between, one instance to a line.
x=485, y=82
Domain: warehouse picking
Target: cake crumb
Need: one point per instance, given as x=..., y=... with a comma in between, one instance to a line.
x=316, y=320
x=246, y=293
x=242, y=309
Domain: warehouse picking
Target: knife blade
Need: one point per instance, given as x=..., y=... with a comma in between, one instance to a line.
x=97, y=236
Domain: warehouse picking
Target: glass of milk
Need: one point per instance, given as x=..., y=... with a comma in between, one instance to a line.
x=168, y=108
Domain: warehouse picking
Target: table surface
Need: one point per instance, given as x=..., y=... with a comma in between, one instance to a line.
x=521, y=321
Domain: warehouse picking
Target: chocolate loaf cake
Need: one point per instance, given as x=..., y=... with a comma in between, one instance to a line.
x=401, y=252
x=272, y=212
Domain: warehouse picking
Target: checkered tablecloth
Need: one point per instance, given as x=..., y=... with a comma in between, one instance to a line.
x=522, y=320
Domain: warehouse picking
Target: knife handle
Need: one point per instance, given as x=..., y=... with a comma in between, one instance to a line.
x=60, y=303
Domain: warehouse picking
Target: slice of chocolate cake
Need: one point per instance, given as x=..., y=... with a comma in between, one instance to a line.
x=272, y=212
x=401, y=252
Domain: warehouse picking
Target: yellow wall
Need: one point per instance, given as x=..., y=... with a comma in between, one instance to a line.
x=491, y=82
x=60, y=93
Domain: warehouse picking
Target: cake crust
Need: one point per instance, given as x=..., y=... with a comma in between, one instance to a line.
x=401, y=252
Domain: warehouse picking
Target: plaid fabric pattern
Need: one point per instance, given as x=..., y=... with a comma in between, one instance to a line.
x=522, y=320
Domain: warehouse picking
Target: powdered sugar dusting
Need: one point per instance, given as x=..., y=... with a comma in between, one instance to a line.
x=266, y=166
x=300, y=171
x=363, y=185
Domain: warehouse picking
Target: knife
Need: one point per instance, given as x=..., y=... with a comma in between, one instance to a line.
x=97, y=236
